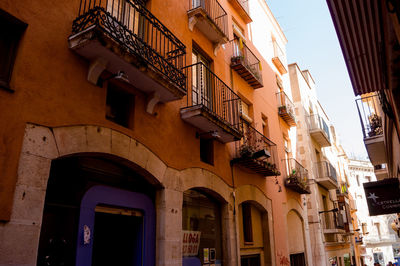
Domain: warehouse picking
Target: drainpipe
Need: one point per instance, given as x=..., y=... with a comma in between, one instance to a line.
x=235, y=218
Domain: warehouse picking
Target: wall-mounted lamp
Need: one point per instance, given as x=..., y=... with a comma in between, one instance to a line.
x=120, y=75
x=211, y=134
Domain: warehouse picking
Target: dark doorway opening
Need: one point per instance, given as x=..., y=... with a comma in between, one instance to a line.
x=70, y=179
x=251, y=260
x=118, y=237
x=297, y=259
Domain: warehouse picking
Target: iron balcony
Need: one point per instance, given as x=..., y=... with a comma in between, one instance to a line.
x=246, y=64
x=123, y=36
x=286, y=108
x=332, y=222
x=371, y=122
x=256, y=153
x=212, y=106
x=326, y=175
x=296, y=177
x=319, y=130
x=210, y=19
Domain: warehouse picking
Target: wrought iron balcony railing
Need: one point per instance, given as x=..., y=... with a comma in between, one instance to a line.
x=246, y=63
x=319, y=130
x=256, y=152
x=209, y=92
x=214, y=11
x=323, y=171
x=370, y=112
x=316, y=122
x=296, y=177
x=332, y=221
x=286, y=108
x=137, y=31
x=371, y=121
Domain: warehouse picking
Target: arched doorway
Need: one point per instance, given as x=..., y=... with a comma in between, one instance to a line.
x=201, y=229
x=296, y=239
x=97, y=212
x=253, y=234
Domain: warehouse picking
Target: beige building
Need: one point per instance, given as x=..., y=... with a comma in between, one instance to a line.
x=318, y=150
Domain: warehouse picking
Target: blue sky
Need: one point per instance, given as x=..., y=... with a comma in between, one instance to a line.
x=313, y=44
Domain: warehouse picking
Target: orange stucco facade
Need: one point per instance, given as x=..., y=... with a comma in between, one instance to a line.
x=50, y=89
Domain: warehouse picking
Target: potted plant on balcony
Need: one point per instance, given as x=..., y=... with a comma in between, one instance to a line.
x=272, y=168
x=237, y=59
x=282, y=109
x=375, y=123
x=246, y=150
x=294, y=178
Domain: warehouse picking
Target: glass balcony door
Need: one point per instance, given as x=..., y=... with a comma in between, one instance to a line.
x=201, y=81
x=127, y=14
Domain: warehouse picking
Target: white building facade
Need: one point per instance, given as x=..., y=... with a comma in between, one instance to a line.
x=378, y=242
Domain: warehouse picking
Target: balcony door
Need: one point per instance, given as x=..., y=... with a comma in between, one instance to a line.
x=201, y=81
x=127, y=14
x=198, y=3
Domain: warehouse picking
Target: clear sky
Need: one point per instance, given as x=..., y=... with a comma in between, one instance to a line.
x=313, y=44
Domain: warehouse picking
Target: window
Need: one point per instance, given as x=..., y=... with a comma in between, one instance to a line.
x=378, y=230
x=202, y=214
x=127, y=14
x=246, y=112
x=250, y=260
x=207, y=151
x=358, y=180
x=265, y=126
x=279, y=83
x=119, y=106
x=201, y=87
x=364, y=228
x=11, y=31
x=247, y=226
x=368, y=178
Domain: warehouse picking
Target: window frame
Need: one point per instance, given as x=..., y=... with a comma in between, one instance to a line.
x=17, y=28
x=247, y=223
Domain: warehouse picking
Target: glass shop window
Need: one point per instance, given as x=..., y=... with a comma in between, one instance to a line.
x=202, y=234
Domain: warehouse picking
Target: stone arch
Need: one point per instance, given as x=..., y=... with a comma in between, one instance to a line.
x=250, y=193
x=52, y=143
x=293, y=204
x=294, y=219
x=43, y=144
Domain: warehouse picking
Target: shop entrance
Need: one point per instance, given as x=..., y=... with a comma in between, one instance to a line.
x=97, y=212
x=118, y=236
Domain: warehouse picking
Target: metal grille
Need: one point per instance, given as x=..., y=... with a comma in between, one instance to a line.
x=325, y=169
x=241, y=53
x=296, y=171
x=214, y=11
x=317, y=122
x=138, y=31
x=206, y=89
x=371, y=121
x=252, y=142
x=285, y=104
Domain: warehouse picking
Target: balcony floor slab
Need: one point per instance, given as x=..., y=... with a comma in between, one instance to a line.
x=201, y=118
x=93, y=44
